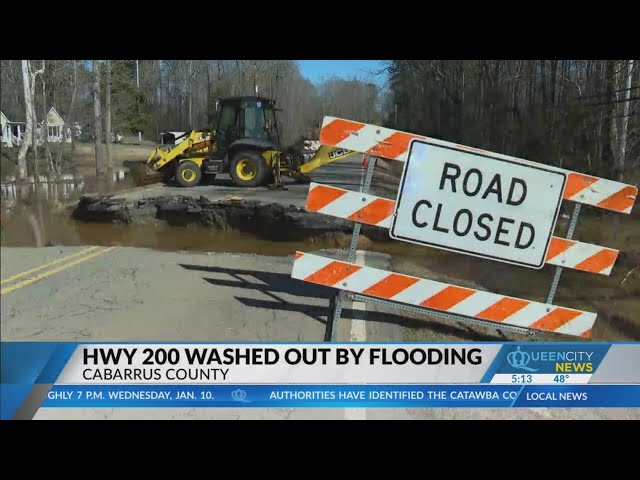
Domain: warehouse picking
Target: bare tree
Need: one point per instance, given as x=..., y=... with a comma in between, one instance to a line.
x=625, y=121
x=71, y=116
x=45, y=125
x=193, y=68
x=29, y=87
x=107, y=120
x=97, y=118
x=29, y=77
x=579, y=114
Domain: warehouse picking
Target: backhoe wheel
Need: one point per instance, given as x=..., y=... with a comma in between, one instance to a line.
x=188, y=174
x=248, y=169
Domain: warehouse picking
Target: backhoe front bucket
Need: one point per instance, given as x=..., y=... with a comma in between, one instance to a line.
x=141, y=173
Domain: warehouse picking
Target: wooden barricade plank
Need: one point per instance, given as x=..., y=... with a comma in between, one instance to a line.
x=444, y=297
x=394, y=145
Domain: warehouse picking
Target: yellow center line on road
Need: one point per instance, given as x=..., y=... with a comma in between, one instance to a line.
x=55, y=262
x=40, y=276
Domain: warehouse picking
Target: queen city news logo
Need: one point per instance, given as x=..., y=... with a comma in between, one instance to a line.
x=550, y=361
x=240, y=396
x=520, y=360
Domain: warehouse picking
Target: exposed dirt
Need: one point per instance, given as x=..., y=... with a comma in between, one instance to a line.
x=268, y=221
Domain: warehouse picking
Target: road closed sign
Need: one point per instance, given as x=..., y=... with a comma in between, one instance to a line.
x=474, y=203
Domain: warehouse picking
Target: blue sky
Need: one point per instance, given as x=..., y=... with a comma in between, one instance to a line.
x=317, y=70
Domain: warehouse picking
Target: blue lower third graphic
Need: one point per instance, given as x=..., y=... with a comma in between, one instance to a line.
x=343, y=396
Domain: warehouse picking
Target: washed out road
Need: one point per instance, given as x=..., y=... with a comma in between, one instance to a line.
x=91, y=293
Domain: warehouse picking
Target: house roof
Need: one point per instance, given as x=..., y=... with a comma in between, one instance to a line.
x=6, y=120
x=54, y=118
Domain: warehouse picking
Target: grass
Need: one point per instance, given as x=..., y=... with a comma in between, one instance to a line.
x=8, y=162
x=84, y=157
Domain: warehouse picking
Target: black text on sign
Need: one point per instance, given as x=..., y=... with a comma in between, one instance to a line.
x=477, y=204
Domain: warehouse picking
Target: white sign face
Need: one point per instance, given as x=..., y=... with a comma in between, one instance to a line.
x=477, y=204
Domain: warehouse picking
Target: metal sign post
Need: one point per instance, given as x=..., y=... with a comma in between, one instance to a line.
x=335, y=308
x=556, y=275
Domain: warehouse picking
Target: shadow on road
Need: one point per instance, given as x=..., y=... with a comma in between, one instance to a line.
x=270, y=284
x=271, y=281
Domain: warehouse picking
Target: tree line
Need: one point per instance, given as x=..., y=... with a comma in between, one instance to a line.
x=151, y=96
x=577, y=114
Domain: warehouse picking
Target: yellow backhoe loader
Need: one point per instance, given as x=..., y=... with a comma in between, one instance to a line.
x=245, y=143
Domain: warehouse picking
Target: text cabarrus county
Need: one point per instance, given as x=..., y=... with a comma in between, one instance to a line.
x=133, y=374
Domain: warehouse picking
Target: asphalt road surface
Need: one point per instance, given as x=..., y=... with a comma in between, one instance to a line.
x=130, y=294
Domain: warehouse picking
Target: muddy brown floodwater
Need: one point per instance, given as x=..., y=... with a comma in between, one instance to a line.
x=615, y=298
x=60, y=229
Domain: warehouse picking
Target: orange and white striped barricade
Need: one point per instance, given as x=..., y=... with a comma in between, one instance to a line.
x=469, y=201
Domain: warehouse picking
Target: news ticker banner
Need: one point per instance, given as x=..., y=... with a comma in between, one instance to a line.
x=297, y=375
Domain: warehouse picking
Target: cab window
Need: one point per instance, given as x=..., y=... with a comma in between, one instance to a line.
x=254, y=121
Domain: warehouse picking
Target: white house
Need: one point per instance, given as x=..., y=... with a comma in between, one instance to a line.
x=12, y=133
x=5, y=132
x=56, y=131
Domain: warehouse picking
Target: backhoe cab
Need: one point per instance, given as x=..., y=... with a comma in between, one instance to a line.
x=247, y=139
x=245, y=143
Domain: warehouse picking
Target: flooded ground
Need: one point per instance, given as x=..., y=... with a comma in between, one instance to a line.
x=60, y=229
x=616, y=298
